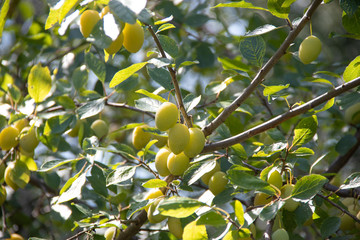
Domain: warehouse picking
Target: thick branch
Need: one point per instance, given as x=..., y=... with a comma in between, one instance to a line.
x=263, y=71
x=353, y=193
x=281, y=118
x=173, y=78
x=342, y=160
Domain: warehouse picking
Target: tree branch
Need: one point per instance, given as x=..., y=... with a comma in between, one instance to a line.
x=342, y=160
x=173, y=78
x=354, y=192
x=263, y=71
x=281, y=118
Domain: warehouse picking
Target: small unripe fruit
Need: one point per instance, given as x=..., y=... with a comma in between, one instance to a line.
x=20, y=124
x=110, y=232
x=262, y=199
x=166, y=116
x=280, y=234
x=9, y=176
x=162, y=140
x=28, y=139
x=206, y=177
x=88, y=20
x=133, y=37
x=140, y=138
x=75, y=131
x=309, y=49
x=100, y=128
x=177, y=164
x=161, y=162
x=275, y=179
x=154, y=194
x=174, y=225
x=9, y=138
x=2, y=194
x=290, y=204
x=352, y=114
x=196, y=142
x=217, y=182
x=17, y=174
x=179, y=137
x=155, y=218
x=115, y=45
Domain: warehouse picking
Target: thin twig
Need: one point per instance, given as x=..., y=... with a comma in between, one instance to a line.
x=263, y=71
x=124, y=105
x=173, y=78
x=281, y=118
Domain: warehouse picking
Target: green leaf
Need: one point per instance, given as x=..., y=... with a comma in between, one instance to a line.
x=192, y=231
x=122, y=12
x=39, y=82
x=197, y=170
x=190, y=102
x=211, y=218
x=280, y=8
x=91, y=108
x=351, y=23
x=345, y=144
x=151, y=95
x=98, y=181
x=3, y=13
x=169, y=45
x=352, y=181
x=96, y=65
x=239, y=212
x=80, y=77
x=196, y=20
x=240, y=4
x=121, y=174
x=53, y=18
x=180, y=207
x=327, y=105
x=349, y=6
x=147, y=104
x=19, y=174
x=305, y=130
x=245, y=180
x=270, y=212
x=352, y=71
x=253, y=49
x=161, y=76
x=74, y=190
x=239, y=151
x=164, y=27
x=58, y=124
x=15, y=93
x=303, y=151
x=235, y=63
x=98, y=36
x=308, y=186
x=65, y=8
x=329, y=226
x=262, y=30
x=154, y=183
x=164, y=20
x=270, y=90
x=135, y=207
x=160, y=62
x=124, y=74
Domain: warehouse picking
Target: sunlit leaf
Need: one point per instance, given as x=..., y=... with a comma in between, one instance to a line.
x=124, y=74
x=39, y=82
x=308, y=186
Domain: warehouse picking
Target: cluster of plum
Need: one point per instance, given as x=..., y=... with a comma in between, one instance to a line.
x=131, y=36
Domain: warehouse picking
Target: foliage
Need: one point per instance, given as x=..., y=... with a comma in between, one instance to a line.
x=232, y=70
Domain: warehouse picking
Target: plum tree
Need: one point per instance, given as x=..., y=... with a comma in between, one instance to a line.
x=286, y=191
x=100, y=128
x=111, y=233
x=139, y=137
x=179, y=137
x=166, y=116
x=217, y=182
x=9, y=138
x=309, y=49
x=161, y=161
x=206, y=177
x=352, y=114
x=133, y=37
x=88, y=20
x=280, y=234
x=174, y=226
x=28, y=139
x=196, y=142
x=177, y=163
